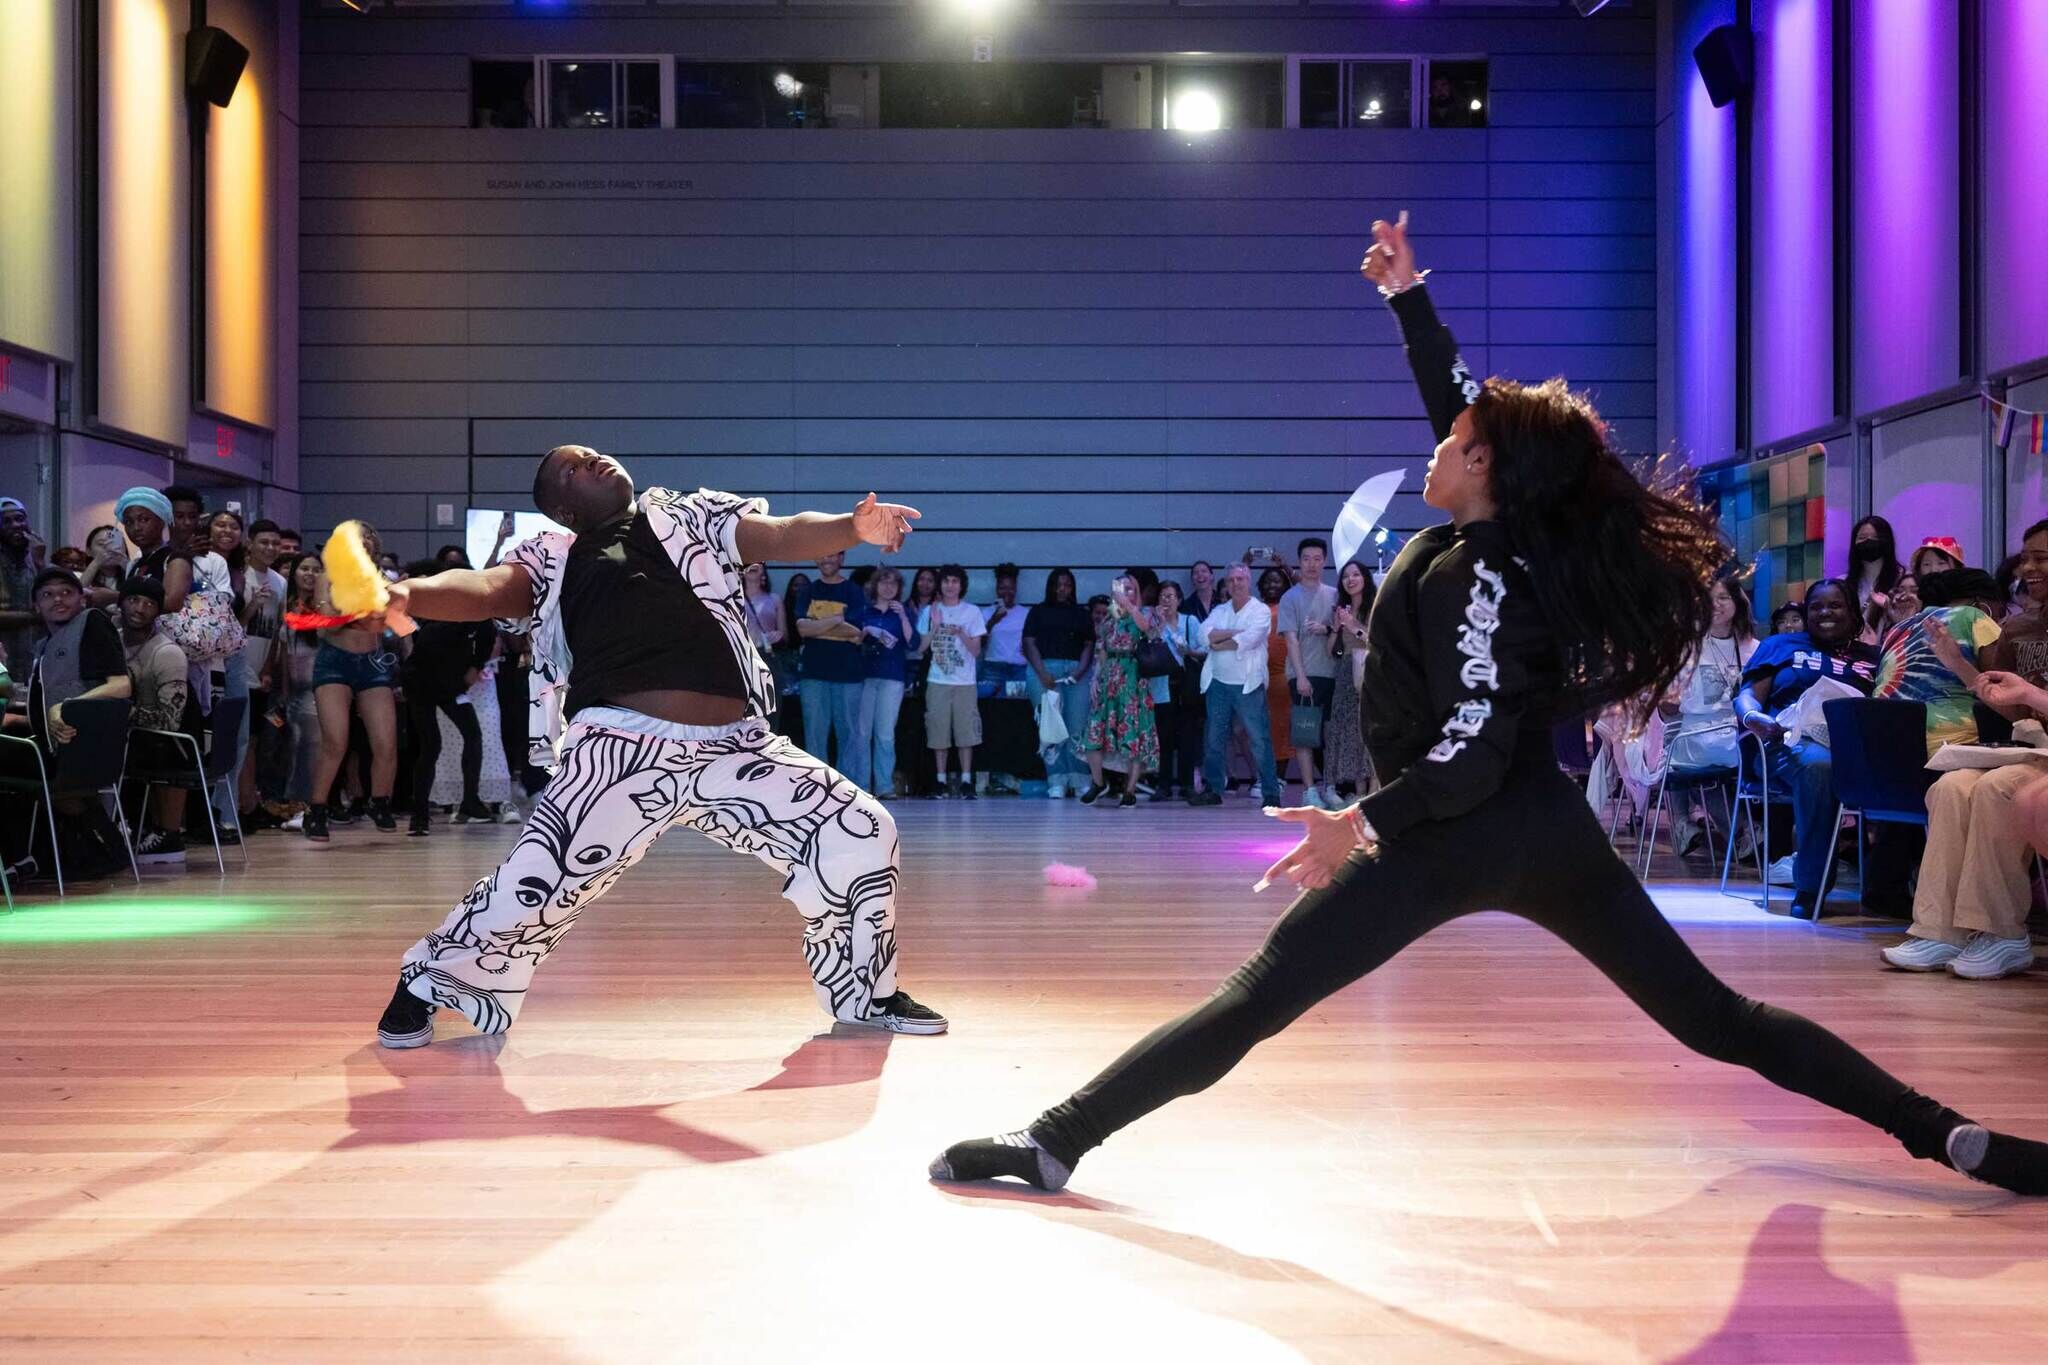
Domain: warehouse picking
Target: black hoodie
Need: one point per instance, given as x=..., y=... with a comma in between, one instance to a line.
x=1462, y=674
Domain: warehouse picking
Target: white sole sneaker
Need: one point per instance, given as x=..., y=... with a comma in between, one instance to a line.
x=1987, y=960
x=401, y=1041
x=1921, y=955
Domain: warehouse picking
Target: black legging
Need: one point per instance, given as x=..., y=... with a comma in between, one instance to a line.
x=426, y=741
x=1534, y=849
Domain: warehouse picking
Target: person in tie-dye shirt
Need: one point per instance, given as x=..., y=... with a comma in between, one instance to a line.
x=1963, y=604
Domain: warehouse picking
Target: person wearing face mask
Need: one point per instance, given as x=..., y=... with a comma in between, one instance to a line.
x=1780, y=670
x=1873, y=562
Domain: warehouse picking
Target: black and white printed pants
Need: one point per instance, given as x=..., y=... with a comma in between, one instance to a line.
x=616, y=791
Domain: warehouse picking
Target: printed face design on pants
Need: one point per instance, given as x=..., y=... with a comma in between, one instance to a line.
x=614, y=795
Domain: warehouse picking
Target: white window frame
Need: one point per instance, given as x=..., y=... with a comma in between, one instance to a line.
x=543, y=62
x=1417, y=69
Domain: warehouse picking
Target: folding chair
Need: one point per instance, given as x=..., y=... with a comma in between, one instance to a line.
x=1684, y=782
x=1752, y=803
x=209, y=769
x=88, y=765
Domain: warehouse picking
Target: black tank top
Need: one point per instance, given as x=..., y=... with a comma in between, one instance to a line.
x=634, y=624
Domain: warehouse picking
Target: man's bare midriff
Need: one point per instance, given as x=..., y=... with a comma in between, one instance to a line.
x=683, y=707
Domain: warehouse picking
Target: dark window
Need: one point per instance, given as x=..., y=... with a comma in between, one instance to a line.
x=1322, y=94
x=501, y=94
x=991, y=95
x=1457, y=94
x=720, y=95
x=1381, y=94
x=641, y=106
x=580, y=94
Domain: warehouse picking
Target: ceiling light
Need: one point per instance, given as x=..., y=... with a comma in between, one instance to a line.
x=788, y=86
x=1197, y=111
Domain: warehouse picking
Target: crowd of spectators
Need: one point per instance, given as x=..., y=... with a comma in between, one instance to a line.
x=1249, y=676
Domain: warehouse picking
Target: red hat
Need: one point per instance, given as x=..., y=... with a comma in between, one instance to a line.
x=1948, y=545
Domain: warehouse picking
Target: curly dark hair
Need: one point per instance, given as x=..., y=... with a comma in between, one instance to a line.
x=1623, y=570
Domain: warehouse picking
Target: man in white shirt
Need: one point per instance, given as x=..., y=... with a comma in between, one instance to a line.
x=1234, y=681
x=262, y=594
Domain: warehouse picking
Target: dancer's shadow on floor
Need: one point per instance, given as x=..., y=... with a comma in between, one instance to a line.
x=1789, y=1305
x=455, y=1090
x=419, y=1109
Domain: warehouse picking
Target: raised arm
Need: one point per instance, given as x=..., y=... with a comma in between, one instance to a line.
x=502, y=592
x=813, y=535
x=1446, y=382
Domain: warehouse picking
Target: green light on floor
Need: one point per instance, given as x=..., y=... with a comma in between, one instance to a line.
x=99, y=920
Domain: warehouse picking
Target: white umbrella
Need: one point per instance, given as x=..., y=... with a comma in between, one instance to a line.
x=1362, y=513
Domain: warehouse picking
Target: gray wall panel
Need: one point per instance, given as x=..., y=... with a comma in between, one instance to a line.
x=1079, y=347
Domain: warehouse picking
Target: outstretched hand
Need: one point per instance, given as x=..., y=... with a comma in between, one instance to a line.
x=1390, y=261
x=1329, y=839
x=883, y=523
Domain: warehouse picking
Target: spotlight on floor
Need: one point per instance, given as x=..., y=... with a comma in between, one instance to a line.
x=1196, y=111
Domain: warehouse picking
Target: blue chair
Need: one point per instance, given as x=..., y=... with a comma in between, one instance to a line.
x=1881, y=774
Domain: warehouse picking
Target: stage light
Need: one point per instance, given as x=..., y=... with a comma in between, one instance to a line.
x=1197, y=111
x=788, y=86
x=1477, y=105
x=1589, y=7
x=116, y=918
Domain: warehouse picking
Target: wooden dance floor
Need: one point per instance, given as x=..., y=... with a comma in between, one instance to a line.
x=1481, y=1153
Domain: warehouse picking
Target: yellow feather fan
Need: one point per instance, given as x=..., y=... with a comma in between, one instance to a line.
x=354, y=582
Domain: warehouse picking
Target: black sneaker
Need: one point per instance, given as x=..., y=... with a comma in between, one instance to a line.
x=315, y=826
x=967, y=791
x=898, y=1013
x=416, y=828
x=1127, y=800
x=1204, y=799
x=474, y=811
x=160, y=848
x=408, y=1021
x=1094, y=793
x=345, y=814
x=381, y=816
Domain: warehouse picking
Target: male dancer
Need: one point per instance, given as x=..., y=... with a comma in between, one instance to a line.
x=639, y=614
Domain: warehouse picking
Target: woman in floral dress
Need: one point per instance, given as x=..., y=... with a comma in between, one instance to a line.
x=1121, y=721
x=1345, y=762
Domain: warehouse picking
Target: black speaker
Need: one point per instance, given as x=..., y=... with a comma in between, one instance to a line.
x=1726, y=58
x=213, y=64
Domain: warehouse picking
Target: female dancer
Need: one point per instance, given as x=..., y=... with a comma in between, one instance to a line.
x=1120, y=721
x=1345, y=765
x=1560, y=583
x=355, y=671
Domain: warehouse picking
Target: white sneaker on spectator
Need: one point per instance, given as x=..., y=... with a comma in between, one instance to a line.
x=1921, y=954
x=296, y=823
x=1331, y=801
x=1781, y=871
x=1988, y=957
x=1055, y=792
x=513, y=812
x=1312, y=798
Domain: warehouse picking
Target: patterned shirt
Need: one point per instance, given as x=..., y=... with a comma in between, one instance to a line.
x=700, y=530
x=1908, y=670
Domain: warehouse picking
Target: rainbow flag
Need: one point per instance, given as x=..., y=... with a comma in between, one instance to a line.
x=2034, y=436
